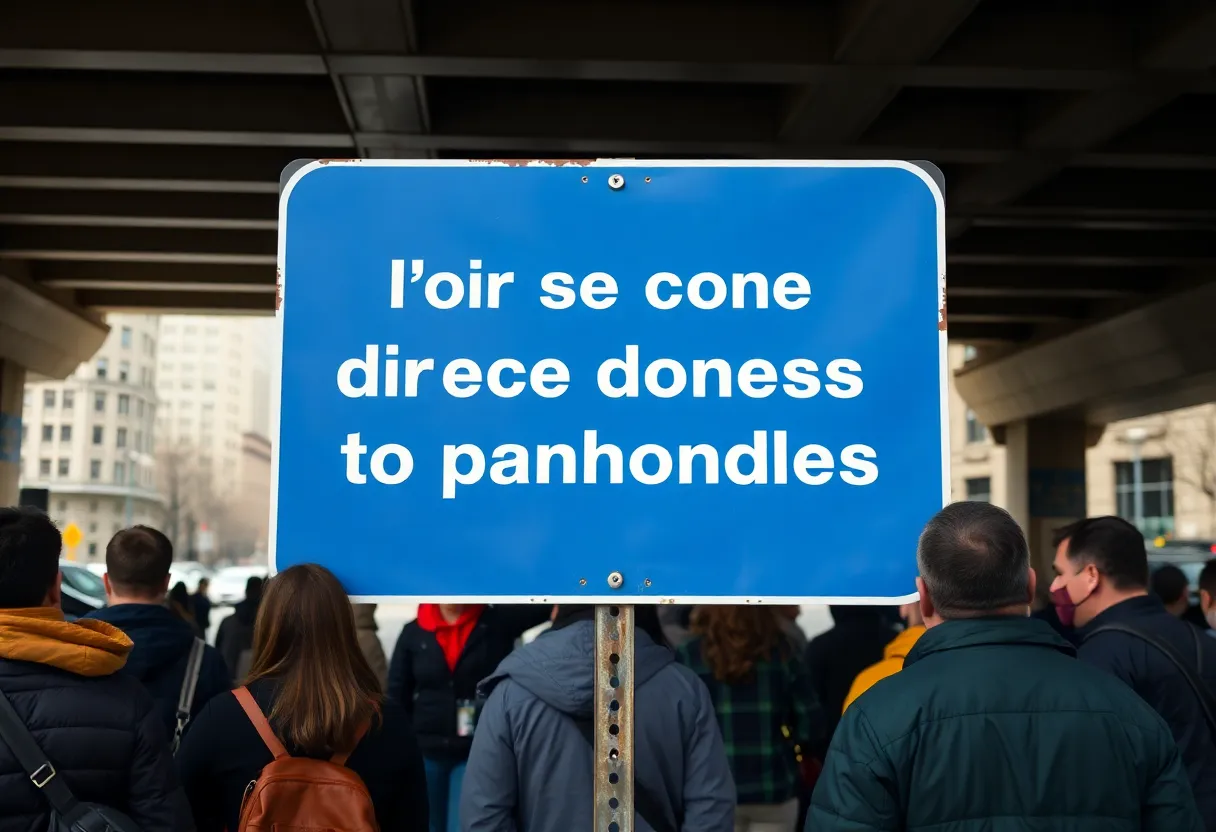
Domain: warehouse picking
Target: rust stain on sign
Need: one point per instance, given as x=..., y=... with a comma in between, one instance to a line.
x=328, y=161
x=941, y=317
x=278, y=289
x=523, y=163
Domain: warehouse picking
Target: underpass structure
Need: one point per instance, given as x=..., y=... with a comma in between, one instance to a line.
x=141, y=147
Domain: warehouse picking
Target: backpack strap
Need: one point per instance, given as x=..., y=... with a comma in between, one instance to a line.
x=31, y=758
x=1203, y=694
x=341, y=757
x=185, y=698
x=250, y=706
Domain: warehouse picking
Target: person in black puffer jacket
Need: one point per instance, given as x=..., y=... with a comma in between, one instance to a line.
x=96, y=725
x=437, y=663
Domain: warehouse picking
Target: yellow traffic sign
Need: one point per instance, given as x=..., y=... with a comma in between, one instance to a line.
x=72, y=536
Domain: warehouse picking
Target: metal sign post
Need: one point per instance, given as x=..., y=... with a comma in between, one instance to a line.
x=613, y=719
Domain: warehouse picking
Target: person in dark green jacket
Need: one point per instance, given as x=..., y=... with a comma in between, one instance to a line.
x=993, y=725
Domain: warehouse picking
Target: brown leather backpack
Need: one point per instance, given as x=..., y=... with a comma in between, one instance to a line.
x=298, y=793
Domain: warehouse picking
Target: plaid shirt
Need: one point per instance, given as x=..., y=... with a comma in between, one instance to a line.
x=762, y=719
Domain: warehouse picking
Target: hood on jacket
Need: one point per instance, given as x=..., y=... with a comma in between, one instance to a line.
x=559, y=667
x=365, y=616
x=161, y=638
x=41, y=635
x=902, y=644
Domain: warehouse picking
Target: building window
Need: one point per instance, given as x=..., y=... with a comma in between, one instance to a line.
x=103, y=367
x=92, y=550
x=44, y=468
x=120, y=473
x=98, y=434
x=208, y=384
x=65, y=433
x=92, y=505
x=126, y=336
x=48, y=433
x=124, y=370
x=63, y=506
x=95, y=469
x=65, y=467
x=124, y=403
x=969, y=353
x=1156, y=516
x=48, y=398
x=121, y=438
x=69, y=399
x=979, y=489
x=976, y=432
x=99, y=402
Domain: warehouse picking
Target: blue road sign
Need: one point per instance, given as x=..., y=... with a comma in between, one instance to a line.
x=642, y=381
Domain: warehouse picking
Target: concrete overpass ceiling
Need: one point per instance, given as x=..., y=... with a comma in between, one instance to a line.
x=141, y=145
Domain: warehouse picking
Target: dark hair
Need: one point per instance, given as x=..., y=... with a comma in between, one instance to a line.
x=29, y=557
x=138, y=560
x=1115, y=547
x=1169, y=583
x=253, y=589
x=179, y=594
x=735, y=638
x=973, y=559
x=304, y=640
x=1064, y=532
x=1207, y=578
x=179, y=602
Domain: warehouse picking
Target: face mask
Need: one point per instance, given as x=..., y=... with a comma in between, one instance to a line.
x=1066, y=610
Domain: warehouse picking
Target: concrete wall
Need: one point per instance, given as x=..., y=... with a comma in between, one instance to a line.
x=1187, y=436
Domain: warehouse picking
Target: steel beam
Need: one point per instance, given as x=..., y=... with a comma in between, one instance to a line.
x=650, y=70
x=193, y=277
x=872, y=31
x=1090, y=119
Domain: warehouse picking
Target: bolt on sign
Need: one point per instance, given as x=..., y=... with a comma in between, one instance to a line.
x=618, y=381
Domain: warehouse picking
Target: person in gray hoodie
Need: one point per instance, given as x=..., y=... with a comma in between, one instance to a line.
x=530, y=768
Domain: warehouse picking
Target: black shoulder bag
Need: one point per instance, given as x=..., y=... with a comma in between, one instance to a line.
x=1207, y=701
x=646, y=805
x=67, y=813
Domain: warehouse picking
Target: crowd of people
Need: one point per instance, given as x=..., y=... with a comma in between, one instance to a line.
x=961, y=711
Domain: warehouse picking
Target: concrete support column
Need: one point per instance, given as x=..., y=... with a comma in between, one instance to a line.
x=12, y=396
x=1045, y=480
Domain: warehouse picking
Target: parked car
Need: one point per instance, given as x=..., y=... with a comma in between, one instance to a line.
x=189, y=572
x=82, y=591
x=228, y=584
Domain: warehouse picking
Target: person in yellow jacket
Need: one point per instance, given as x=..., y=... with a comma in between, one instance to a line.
x=892, y=657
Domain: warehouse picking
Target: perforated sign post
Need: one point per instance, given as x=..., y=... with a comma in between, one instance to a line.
x=611, y=383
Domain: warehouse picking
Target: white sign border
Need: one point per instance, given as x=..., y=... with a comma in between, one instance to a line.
x=593, y=598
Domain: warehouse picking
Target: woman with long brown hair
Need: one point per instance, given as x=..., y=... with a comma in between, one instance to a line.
x=319, y=694
x=765, y=705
